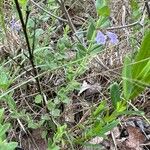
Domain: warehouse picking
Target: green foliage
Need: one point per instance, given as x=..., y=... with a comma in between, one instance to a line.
x=38, y=99
x=102, y=8
x=4, y=79
x=52, y=55
x=127, y=82
x=4, y=145
x=115, y=94
x=100, y=109
x=137, y=74
x=91, y=30
x=57, y=138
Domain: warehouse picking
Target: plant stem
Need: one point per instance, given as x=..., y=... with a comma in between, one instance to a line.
x=31, y=55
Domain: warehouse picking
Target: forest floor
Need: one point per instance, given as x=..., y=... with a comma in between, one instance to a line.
x=133, y=131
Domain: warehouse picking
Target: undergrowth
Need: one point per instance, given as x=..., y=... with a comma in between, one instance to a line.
x=44, y=59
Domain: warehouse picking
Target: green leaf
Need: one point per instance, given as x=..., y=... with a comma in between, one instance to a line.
x=8, y=146
x=121, y=107
x=38, y=99
x=134, y=4
x=95, y=49
x=90, y=31
x=100, y=3
x=99, y=130
x=3, y=129
x=10, y=101
x=102, y=8
x=127, y=78
x=142, y=57
x=51, y=105
x=38, y=32
x=115, y=94
x=80, y=47
x=4, y=80
x=23, y=2
x=1, y=115
x=108, y=127
x=103, y=22
x=55, y=112
x=53, y=147
x=104, y=11
x=99, y=109
x=141, y=67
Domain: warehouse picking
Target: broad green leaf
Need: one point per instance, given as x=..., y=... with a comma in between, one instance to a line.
x=127, y=78
x=90, y=31
x=141, y=67
x=115, y=94
x=142, y=57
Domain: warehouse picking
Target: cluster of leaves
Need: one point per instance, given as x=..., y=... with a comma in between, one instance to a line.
x=135, y=78
x=4, y=127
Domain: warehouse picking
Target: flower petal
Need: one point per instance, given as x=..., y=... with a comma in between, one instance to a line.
x=100, y=38
x=14, y=25
x=113, y=37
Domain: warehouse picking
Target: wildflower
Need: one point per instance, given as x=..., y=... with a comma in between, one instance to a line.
x=100, y=38
x=113, y=37
x=14, y=25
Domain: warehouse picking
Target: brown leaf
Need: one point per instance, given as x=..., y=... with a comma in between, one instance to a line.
x=135, y=138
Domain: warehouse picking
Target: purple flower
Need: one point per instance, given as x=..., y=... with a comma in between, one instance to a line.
x=14, y=25
x=100, y=38
x=113, y=37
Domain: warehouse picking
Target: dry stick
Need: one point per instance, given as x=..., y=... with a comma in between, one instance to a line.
x=148, y=9
x=21, y=66
x=63, y=8
x=49, y=13
x=124, y=26
x=31, y=56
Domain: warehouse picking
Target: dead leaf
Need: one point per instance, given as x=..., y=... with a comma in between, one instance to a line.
x=135, y=138
x=85, y=86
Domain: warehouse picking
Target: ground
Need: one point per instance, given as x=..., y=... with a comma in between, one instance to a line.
x=133, y=131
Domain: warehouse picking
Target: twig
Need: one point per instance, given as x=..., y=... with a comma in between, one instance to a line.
x=148, y=9
x=33, y=42
x=63, y=8
x=31, y=57
x=124, y=26
x=49, y=13
x=27, y=16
